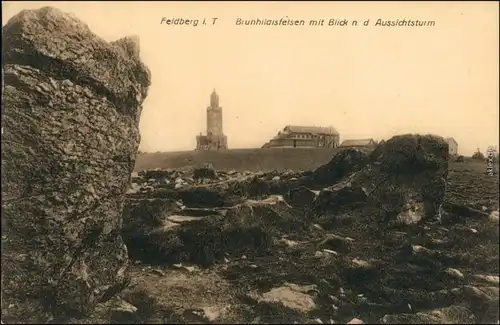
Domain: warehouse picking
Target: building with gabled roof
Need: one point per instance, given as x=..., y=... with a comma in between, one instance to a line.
x=310, y=129
x=358, y=143
x=295, y=136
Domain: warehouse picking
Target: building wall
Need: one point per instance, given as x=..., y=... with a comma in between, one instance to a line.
x=452, y=148
x=332, y=141
x=305, y=140
x=207, y=142
x=214, y=121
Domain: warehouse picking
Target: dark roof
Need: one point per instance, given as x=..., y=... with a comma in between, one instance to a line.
x=356, y=142
x=312, y=129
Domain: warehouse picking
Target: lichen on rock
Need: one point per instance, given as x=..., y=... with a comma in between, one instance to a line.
x=71, y=108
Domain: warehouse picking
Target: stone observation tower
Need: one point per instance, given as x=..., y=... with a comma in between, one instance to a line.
x=215, y=138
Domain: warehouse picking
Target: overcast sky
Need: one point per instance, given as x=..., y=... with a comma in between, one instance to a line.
x=365, y=81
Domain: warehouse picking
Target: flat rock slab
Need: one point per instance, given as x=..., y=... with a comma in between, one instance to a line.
x=181, y=219
x=291, y=296
x=491, y=279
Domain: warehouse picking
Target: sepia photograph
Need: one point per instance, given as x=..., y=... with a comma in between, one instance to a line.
x=250, y=162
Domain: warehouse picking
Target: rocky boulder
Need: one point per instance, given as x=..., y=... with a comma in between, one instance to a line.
x=404, y=180
x=159, y=232
x=342, y=164
x=301, y=196
x=408, y=172
x=341, y=196
x=207, y=171
x=71, y=108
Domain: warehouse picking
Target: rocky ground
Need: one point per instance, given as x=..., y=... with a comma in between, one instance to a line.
x=205, y=255
x=393, y=236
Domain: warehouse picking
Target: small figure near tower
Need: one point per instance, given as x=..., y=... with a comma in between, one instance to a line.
x=215, y=138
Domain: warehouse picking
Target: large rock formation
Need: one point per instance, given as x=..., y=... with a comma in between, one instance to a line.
x=71, y=108
x=407, y=179
x=404, y=179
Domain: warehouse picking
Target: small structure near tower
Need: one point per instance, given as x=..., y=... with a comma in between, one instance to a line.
x=215, y=138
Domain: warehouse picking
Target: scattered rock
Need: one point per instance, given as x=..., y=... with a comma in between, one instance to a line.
x=292, y=296
x=360, y=263
x=184, y=267
x=158, y=272
x=454, y=273
x=316, y=226
x=182, y=219
x=329, y=251
x=411, y=213
x=335, y=242
x=340, y=197
x=494, y=215
x=319, y=254
x=481, y=293
x=448, y=315
x=287, y=243
x=302, y=196
x=492, y=279
x=205, y=172
x=124, y=313
x=355, y=321
x=211, y=314
x=418, y=249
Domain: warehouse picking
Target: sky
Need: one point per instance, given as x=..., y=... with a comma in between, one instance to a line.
x=366, y=82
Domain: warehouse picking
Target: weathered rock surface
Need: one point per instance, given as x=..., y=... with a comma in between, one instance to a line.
x=71, y=108
x=225, y=190
x=205, y=172
x=340, y=197
x=160, y=231
x=302, y=196
x=405, y=180
x=341, y=165
x=290, y=295
x=408, y=171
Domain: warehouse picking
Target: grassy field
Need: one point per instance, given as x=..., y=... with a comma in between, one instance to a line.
x=239, y=159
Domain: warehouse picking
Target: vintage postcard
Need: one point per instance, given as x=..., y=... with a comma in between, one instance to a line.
x=250, y=162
